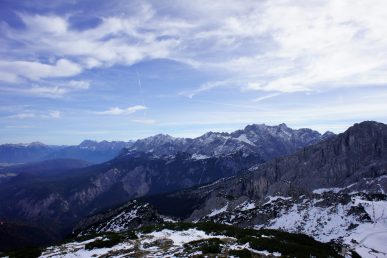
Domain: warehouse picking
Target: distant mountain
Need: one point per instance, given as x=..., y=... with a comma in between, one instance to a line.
x=92, y=151
x=264, y=141
x=23, y=153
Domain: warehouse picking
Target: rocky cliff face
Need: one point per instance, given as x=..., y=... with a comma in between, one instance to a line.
x=357, y=154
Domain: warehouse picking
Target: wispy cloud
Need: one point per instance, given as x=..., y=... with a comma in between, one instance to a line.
x=114, y=111
x=48, y=90
x=32, y=114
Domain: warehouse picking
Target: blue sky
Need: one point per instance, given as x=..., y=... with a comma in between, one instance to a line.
x=119, y=70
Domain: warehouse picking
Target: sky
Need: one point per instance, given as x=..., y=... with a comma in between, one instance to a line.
x=119, y=70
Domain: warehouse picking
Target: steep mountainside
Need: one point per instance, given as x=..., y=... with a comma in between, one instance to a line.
x=60, y=200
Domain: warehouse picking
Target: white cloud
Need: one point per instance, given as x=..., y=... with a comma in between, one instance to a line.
x=114, y=111
x=45, y=24
x=16, y=71
x=115, y=41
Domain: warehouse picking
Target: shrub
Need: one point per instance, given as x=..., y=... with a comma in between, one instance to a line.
x=207, y=246
x=244, y=253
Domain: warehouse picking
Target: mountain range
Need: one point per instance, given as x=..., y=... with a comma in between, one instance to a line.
x=153, y=165
x=265, y=141
x=333, y=191
x=330, y=187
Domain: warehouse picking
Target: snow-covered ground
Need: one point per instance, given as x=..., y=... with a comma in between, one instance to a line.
x=369, y=239
x=77, y=249
x=180, y=238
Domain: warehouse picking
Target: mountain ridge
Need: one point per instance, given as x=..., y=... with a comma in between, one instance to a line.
x=160, y=144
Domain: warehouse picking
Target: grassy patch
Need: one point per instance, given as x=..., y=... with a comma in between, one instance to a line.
x=102, y=243
x=207, y=246
x=32, y=252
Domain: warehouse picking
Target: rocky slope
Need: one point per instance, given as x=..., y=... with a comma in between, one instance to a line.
x=132, y=215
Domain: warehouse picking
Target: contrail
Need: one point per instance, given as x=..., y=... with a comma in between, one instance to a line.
x=141, y=92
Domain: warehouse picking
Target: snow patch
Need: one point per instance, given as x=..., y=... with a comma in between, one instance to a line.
x=324, y=190
x=243, y=138
x=196, y=156
x=217, y=211
x=247, y=205
x=275, y=198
